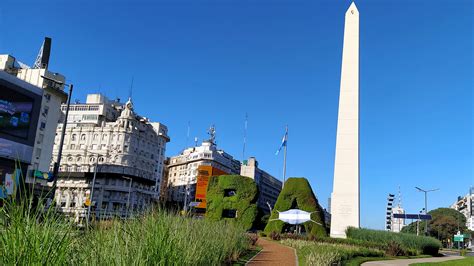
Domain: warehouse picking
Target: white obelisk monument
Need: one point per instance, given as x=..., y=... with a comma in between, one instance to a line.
x=345, y=196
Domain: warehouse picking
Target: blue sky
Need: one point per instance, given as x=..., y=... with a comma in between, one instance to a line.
x=210, y=62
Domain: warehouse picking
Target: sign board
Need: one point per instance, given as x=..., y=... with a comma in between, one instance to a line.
x=204, y=173
x=87, y=202
x=458, y=237
x=412, y=216
x=9, y=184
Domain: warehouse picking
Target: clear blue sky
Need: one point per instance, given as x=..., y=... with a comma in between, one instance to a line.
x=210, y=62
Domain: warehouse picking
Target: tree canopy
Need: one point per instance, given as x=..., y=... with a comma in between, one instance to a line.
x=444, y=224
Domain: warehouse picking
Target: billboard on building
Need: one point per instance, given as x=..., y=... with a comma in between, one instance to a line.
x=20, y=105
x=204, y=173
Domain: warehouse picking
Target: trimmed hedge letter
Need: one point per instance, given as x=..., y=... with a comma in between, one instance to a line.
x=297, y=194
x=232, y=198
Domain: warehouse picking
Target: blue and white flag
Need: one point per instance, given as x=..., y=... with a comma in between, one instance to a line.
x=283, y=142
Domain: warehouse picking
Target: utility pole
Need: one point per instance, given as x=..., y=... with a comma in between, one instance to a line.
x=92, y=190
x=63, y=132
x=426, y=204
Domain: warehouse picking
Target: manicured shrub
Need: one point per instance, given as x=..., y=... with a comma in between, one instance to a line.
x=275, y=236
x=317, y=253
x=297, y=193
x=408, y=242
x=232, y=193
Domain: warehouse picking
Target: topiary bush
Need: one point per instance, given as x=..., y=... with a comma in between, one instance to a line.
x=228, y=193
x=297, y=194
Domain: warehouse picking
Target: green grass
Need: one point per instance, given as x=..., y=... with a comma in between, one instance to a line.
x=317, y=253
x=359, y=260
x=32, y=237
x=247, y=255
x=460, y=262
x=410, y=243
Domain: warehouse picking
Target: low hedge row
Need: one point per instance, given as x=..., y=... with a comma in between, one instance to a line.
x=409, y=243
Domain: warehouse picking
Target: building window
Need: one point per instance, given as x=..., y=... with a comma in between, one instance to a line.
x=104, y=137
x=42, y=125
x=45, y=111
x=79, y=159
x=47, y=96
x=96, y=136
x=40, y=138
x=83, y=137
x=38, y=152
x=73, y=146
x=73, y=137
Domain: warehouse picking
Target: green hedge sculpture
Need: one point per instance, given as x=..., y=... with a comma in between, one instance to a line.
x=297, y=194
x=228, y=193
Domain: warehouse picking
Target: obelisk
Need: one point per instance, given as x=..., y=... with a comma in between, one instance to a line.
x=345, y=196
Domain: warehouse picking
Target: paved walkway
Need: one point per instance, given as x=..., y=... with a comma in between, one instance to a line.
x=273, y=253
x=404, y=262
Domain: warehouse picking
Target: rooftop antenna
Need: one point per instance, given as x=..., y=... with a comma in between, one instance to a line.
x=42, y=60
x=131, y=89
x=187, y=135
x=245, y=136
x=399, y=197
x=212, y=134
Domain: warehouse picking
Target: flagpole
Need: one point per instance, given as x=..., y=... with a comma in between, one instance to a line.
x=284, y=157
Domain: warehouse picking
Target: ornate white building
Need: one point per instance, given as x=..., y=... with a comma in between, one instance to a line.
x=128, y=151
x=182, y=169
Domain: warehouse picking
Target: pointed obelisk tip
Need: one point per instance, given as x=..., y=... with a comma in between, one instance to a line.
x=352, y=9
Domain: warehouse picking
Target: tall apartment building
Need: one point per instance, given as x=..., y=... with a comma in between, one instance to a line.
x=52, y=96
x=465, y=205
x=268, y=186
x=183, y=168
x=126, y=150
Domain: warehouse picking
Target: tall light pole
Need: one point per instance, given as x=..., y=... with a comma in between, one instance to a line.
x=426, y=204
x=63, y=131
x=92, y=190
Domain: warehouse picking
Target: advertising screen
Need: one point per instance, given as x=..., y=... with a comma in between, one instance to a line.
x=15, y=113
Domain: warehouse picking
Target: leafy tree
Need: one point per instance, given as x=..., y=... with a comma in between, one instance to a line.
x=444, y=224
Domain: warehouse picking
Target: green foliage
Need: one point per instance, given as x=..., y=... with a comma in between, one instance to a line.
x=33, y=236
x=317, y=253
x=243, y=201
x=460, y=262
x=407, y=242
x=297, y=193
x=41, y=237
x=444, y=224
x=162, y=239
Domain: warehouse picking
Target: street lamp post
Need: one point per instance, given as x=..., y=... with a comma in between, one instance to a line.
x=426, y=204
x=92, y=189
x=63, y=131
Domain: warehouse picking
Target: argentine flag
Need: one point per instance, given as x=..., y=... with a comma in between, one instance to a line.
x=283, y=142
